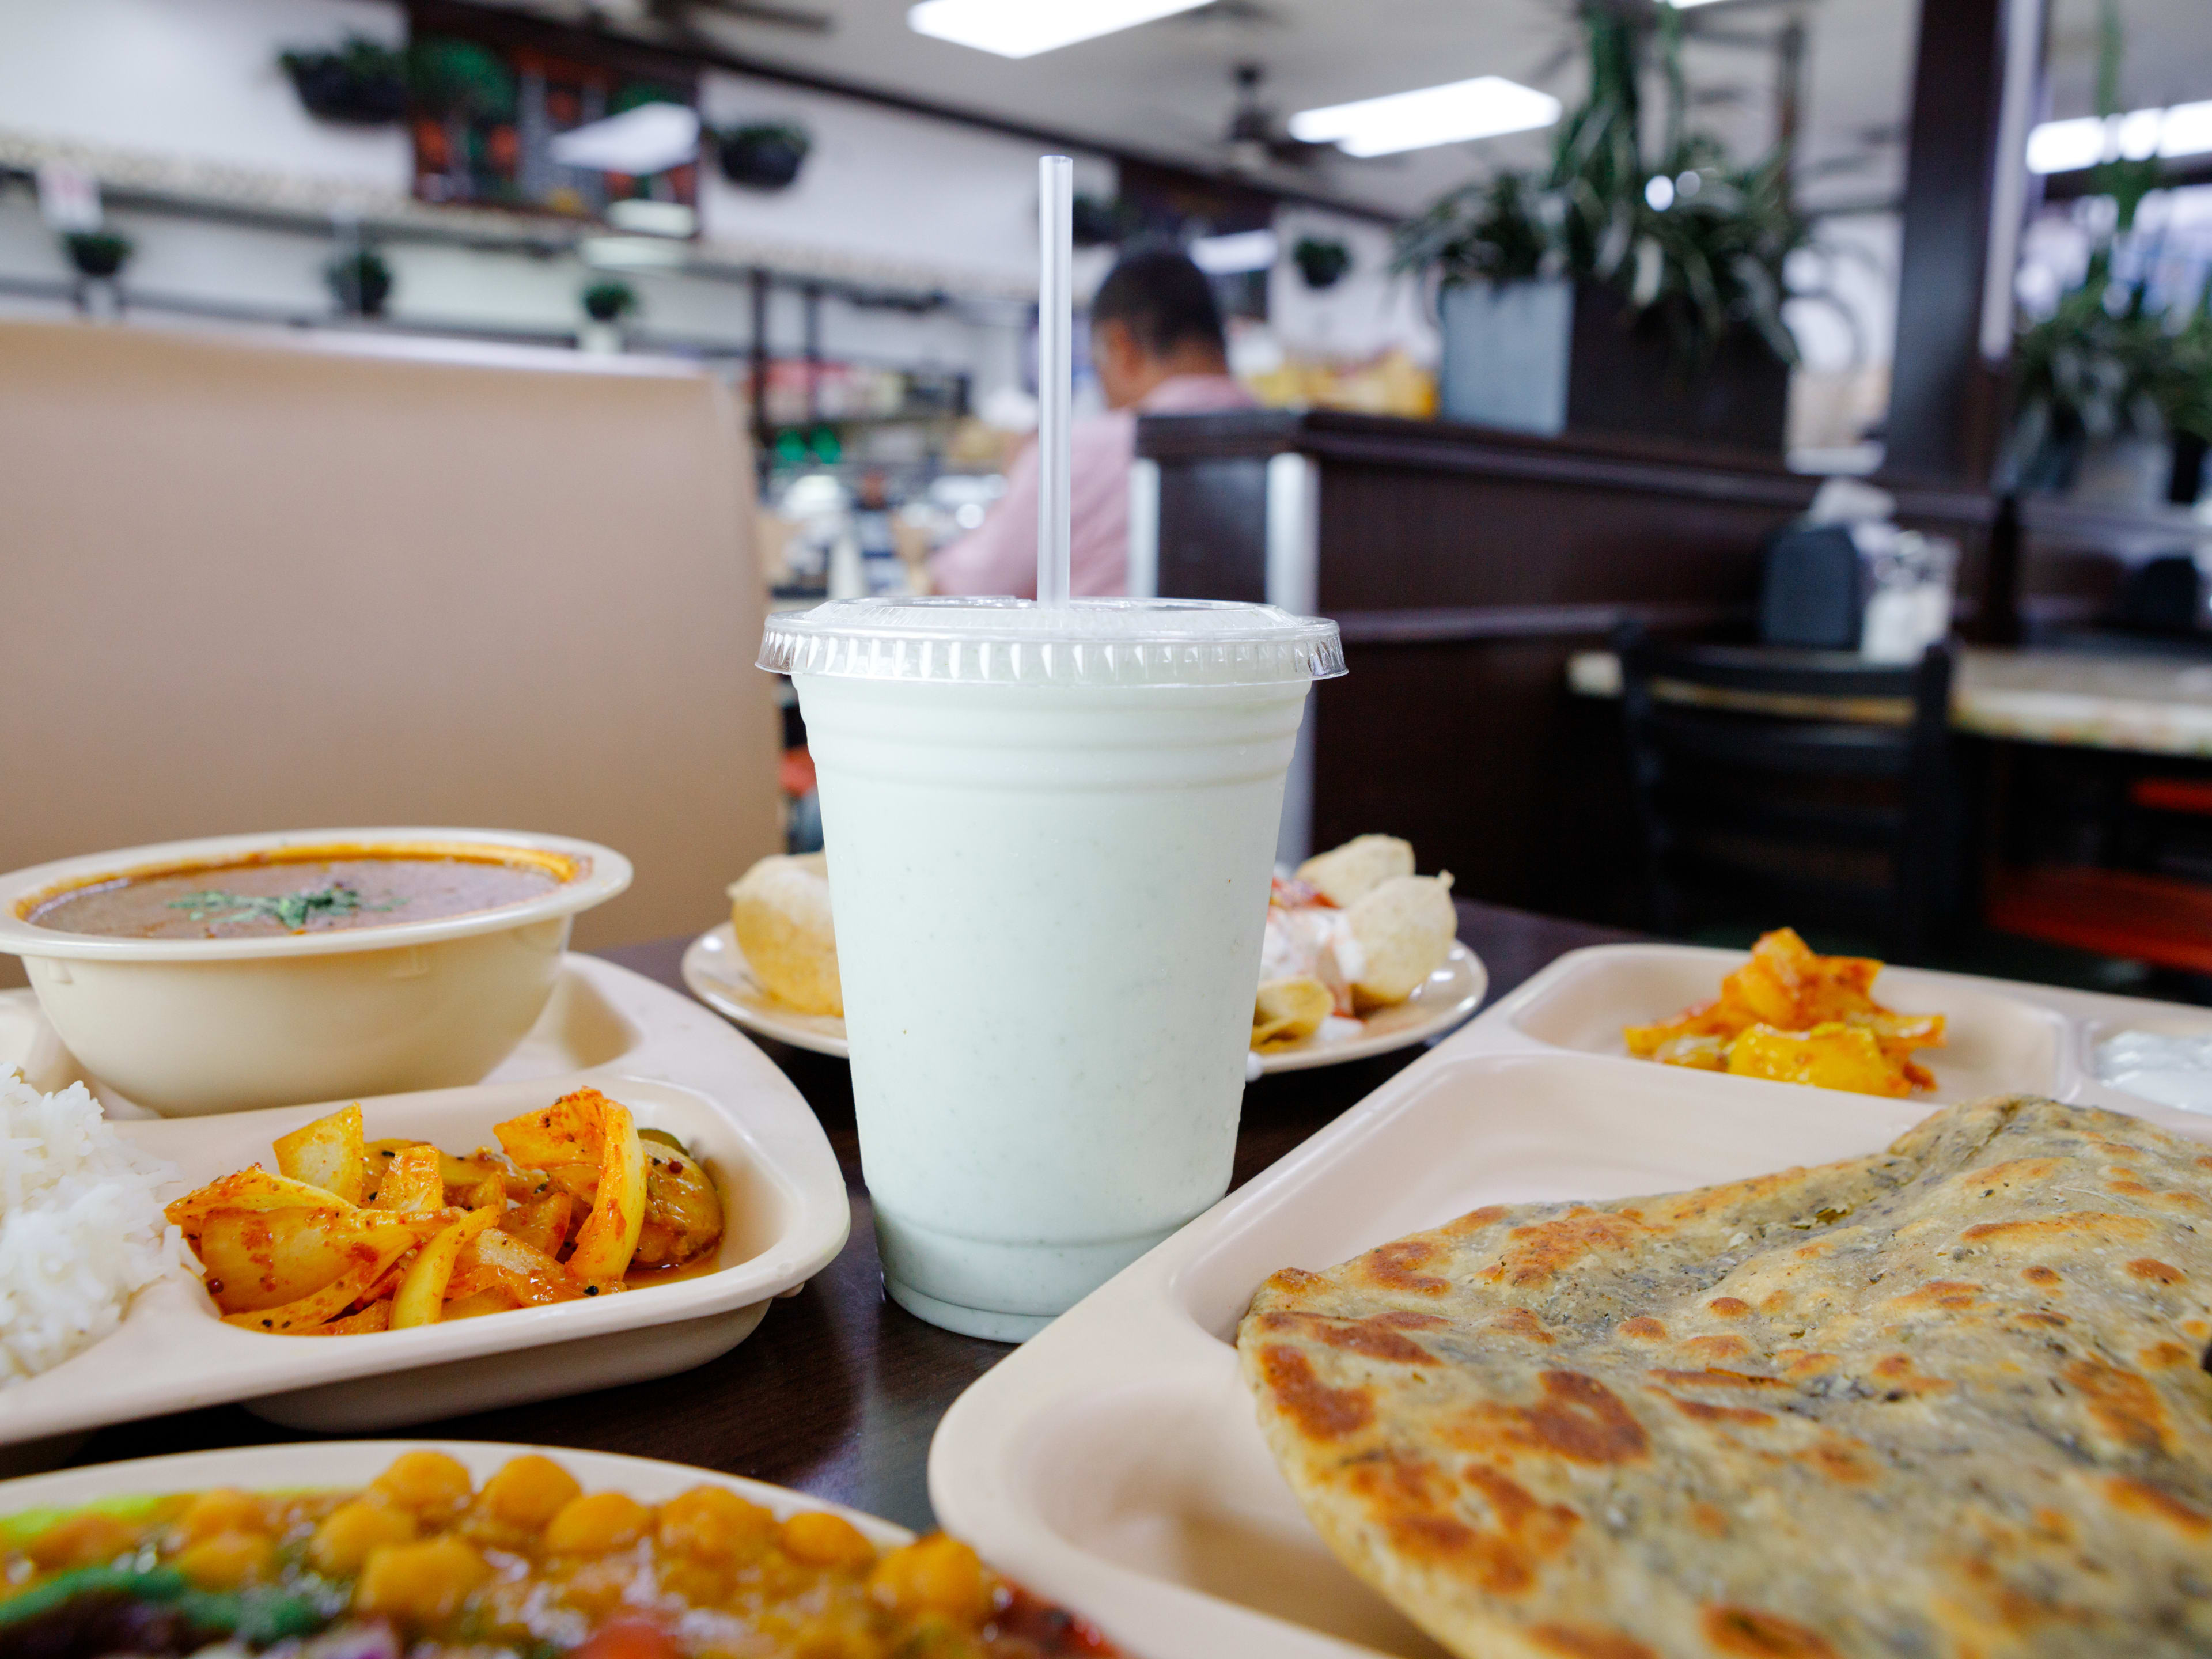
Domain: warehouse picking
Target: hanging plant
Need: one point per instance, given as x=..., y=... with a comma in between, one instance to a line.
x=765, y=157
x=609, y=301
x=97, y=254
x=1323, y=264
x=363, y=83
x=360, y=281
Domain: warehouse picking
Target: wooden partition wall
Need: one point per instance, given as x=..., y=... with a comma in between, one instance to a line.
x=1465, y=566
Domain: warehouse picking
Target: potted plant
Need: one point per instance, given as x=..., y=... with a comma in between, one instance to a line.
x=605, y=303
x=2108, y=392
x=99, y=255
x=1619, y=290
x=362, y=83
x=764, y=157
x=360, y=281
x=1322, y=262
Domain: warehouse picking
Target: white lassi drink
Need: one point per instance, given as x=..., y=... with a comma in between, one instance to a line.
x=1050, y=832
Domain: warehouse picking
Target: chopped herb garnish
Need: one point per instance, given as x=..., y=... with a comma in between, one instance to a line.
x=289, y=910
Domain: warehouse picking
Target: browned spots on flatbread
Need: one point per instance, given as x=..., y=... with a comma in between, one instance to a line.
x=1710, y=1519
x=1697, y=1411
x=1939, y=1293
x=1539, y=1250
x=2140, y=1498
x=1393, y=1266
x=1729, y=1307
x=2149, y=1267
x=2042, y=1317
x=1292, y=1280
x=1416, y=1503
x=1796, y=1362
x=1645, y=1329
x=1376, y=1336
x=2165, y=1356
x=1842, y=1461
x=1475, y=1220
x=1774, y=1302
x=2012, y=1170
x=1900, y=1379
x=1710, y=1378
x=2105, y=1224
x=2128, y=1184
x=2040, y=1275
x=2125, y=1405
x=1577, y=1418
x=1519, y=1321
x=1325, y=1413
x=2199, y=1328
x=1581, y=1642
x=1718, y=1347
x=1753, y=1635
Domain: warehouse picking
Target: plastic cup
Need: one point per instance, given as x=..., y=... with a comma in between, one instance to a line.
x=1050, y=832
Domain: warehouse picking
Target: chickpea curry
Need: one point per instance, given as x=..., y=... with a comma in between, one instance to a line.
x=424, y=1564
x=353, y=1236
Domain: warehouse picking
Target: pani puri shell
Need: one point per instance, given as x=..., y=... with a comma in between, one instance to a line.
x=1346, y=874
x=780, y=910
x=1289, y=1011
x=1405, y=927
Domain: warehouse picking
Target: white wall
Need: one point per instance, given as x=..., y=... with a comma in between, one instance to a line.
x=196, y=78
x=1367, y=313
x=887, y=185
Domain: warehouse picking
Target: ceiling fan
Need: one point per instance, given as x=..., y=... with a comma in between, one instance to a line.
x=1256, y=139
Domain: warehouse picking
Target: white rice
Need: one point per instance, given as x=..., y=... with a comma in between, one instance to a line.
x=80, y=1231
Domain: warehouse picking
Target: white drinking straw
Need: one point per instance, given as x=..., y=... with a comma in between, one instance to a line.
x=1056, y=371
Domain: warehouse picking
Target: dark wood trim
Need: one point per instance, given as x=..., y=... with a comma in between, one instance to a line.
x=1465, y=623
x=1944, y=402
x=1577, y=460
x=595, y=38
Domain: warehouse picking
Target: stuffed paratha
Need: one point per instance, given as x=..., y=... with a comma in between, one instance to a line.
x=1944, y=1400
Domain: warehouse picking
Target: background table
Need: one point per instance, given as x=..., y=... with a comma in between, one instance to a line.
x=839, y=1391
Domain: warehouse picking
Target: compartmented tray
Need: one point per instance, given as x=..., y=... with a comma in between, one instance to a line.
x=677, y=1067
x=1115, y=1463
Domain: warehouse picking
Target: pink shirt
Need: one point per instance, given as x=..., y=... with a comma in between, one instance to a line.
x=999, y=555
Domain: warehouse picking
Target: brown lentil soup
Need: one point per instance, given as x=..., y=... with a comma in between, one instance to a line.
x=254, y=899
x=423, y=1563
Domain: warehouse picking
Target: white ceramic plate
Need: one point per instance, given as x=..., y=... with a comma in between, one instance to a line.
x=1114, y=1461
x=674, y=1065
x=718, y=975
x=341, y=1464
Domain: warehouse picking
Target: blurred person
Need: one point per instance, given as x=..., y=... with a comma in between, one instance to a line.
x=1156, y=342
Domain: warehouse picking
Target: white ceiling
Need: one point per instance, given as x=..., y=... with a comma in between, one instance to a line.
x=1165, y=89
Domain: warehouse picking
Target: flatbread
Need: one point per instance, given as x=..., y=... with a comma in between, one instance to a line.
x=1945, y=1401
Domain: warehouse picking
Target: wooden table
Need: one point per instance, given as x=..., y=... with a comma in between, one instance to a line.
x=839, y=1390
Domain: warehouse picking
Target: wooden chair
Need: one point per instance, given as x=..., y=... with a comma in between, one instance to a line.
x=1776, y=785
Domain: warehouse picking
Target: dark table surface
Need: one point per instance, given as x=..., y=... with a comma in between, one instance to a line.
x=838, y=1392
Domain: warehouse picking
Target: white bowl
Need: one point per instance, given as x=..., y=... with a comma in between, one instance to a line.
x=189, y=1026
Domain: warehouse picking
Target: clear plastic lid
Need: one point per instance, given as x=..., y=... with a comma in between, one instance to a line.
x=998, y=642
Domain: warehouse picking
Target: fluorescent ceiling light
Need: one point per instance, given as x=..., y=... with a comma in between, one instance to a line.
x=2187, y=130
x=1243, y=250
x=1480, y=108
x=2086, y=140
x=631, y=252
x=651, y=138
x=650, y=218
x=2062, y=146
x=1023, y=28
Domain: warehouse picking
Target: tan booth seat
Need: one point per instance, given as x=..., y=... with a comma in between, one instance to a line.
x=254, y=583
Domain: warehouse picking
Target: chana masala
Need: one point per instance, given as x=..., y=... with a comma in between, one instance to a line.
x=424, y=1564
